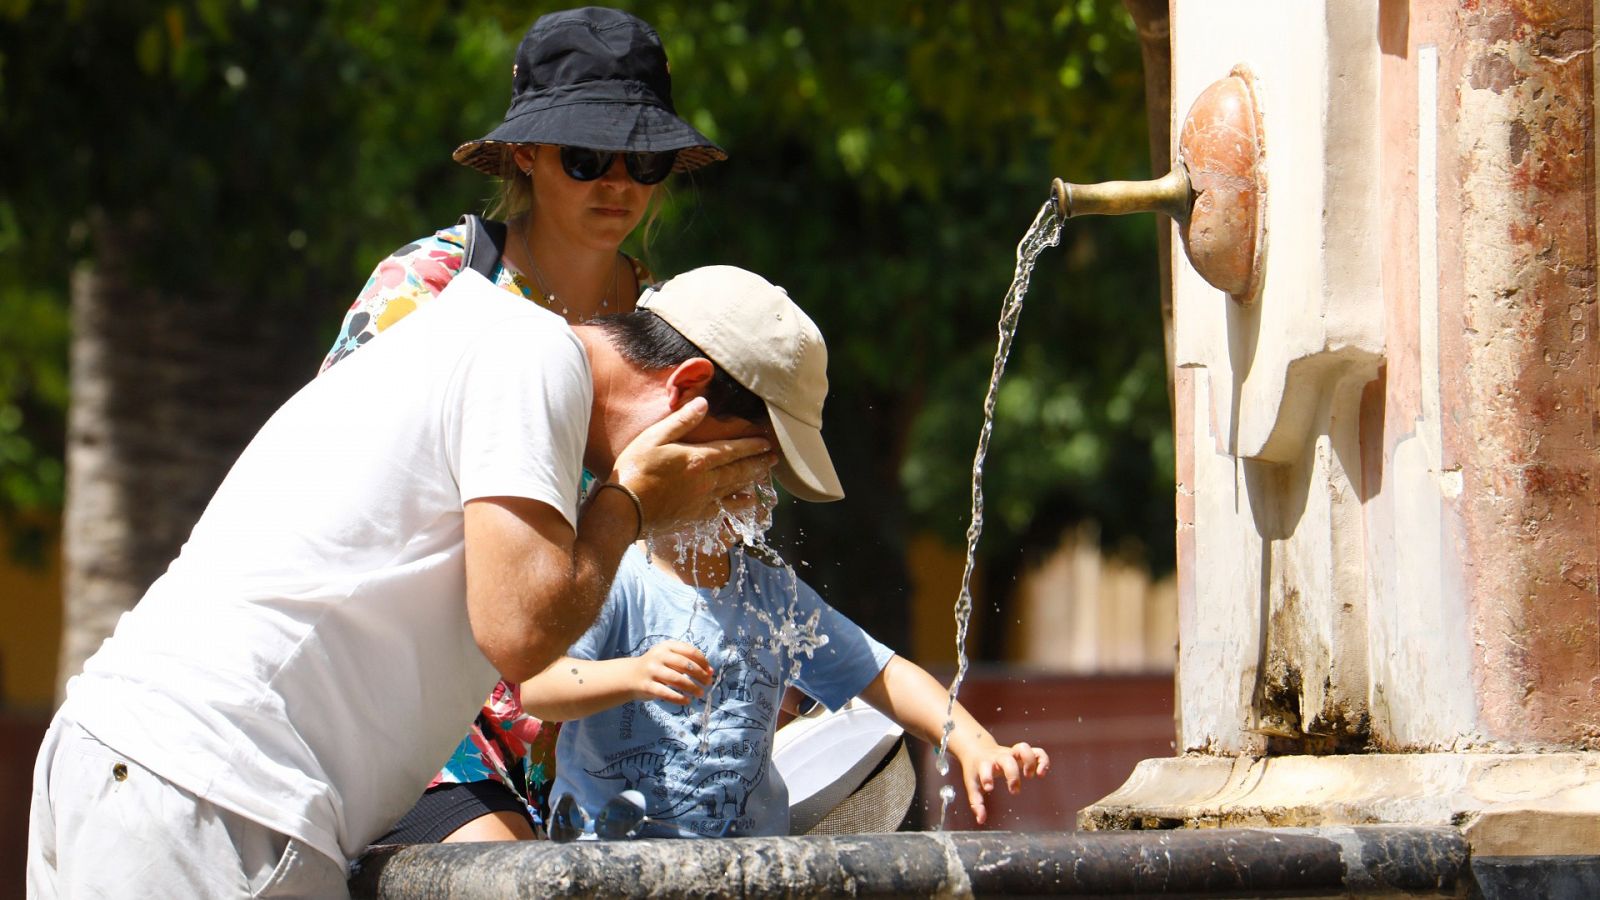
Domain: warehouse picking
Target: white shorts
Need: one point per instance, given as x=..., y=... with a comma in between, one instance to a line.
x=101, y=825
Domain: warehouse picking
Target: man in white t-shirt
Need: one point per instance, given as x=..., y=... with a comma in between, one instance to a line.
x=403, y=531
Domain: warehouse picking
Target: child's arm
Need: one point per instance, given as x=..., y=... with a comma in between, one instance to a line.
x=570, y=688
x=906, y=693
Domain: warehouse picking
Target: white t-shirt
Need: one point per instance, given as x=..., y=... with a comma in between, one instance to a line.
x=306, y=661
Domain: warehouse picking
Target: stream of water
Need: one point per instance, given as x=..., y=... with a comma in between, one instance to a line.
x=1044, y=232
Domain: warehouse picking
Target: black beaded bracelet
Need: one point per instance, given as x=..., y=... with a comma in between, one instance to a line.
x=638, y=505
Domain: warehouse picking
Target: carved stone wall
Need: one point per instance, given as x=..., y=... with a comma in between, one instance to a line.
x=1273, y=602
x=1389, y=528
x=1388, y=478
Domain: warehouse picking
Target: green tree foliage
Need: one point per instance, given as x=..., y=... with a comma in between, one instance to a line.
x=885, y=159
x=258, y=154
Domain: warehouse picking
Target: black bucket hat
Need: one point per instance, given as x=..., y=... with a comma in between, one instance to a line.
x=591, y=77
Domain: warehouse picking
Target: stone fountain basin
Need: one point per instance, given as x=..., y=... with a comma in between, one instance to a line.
x=1286, y=862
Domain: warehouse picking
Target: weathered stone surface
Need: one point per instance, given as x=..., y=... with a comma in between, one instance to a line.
x=1518, y=129
x=1389, y=485
x=1505, y=804
x=1273, y=595
x=1520, y=877
x=1388, y=478
x=1216, y=862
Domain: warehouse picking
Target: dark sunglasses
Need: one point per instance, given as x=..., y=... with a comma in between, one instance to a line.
x=583, y=164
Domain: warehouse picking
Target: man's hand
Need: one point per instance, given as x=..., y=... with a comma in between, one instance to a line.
x=674, y=671
x=681, y=483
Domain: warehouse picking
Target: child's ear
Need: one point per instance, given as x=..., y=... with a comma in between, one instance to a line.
x=688, y=381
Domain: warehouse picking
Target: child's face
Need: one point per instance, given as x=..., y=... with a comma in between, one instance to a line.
x=752, y=504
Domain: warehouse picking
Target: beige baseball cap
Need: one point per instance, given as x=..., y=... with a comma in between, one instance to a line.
x=750, y=327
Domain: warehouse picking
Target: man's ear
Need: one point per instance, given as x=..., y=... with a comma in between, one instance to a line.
x=689, y=380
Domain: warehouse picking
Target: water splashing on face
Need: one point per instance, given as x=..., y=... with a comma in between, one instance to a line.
x=1044, y=232
x=744, y=523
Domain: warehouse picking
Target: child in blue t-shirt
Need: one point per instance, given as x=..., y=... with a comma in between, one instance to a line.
x=674, y=693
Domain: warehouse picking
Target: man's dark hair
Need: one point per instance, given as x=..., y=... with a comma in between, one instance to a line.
x=647, y=341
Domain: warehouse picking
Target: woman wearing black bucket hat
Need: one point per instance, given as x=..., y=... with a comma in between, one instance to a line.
x=590, y=134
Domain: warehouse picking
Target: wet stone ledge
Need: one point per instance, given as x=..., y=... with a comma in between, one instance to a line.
x=1367, y=861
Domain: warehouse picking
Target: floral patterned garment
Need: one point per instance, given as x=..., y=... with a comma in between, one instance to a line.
x=505, y=744
x=414, y=275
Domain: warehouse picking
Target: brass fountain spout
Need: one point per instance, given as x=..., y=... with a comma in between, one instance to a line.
x=1216, y=192
x=1170, y=194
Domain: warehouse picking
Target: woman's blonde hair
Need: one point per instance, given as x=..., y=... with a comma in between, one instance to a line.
x=514, y=198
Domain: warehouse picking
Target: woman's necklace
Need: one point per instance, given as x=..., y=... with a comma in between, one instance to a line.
x=550, y=298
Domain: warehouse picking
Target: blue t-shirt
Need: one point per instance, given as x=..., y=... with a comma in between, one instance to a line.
x=711, y=774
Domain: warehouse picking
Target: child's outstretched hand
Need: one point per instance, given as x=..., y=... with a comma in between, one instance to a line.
x=980, y=767
x=674, y=671
x=906, y=693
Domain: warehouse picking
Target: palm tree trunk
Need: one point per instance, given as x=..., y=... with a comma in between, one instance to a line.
x=166, y=390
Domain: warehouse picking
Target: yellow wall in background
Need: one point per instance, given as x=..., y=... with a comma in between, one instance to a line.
x=30, y=628
x=935, y=569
